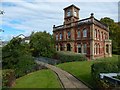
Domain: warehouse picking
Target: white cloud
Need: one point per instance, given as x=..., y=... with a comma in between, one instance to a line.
x=62, y=0
x=40, y=16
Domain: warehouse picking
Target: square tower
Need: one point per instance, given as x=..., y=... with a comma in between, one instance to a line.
x=71, y=14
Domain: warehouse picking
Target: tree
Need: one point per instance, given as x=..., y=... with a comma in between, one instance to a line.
x=17, y=56
x=42, y=44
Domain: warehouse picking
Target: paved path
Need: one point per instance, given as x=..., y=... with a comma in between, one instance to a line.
x=67, y=80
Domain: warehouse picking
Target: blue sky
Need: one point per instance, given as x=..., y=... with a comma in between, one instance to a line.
x=25, y=16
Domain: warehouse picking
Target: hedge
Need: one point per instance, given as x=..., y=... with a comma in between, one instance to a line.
x=69, y=57
x=103, y=67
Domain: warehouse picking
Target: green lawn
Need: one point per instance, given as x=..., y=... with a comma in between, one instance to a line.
x=38, y=79
x=82, y=69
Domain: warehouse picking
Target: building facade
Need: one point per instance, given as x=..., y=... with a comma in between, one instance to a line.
x=25, y=39
x=87, y=36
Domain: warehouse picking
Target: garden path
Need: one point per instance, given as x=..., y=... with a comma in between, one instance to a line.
x=67, y=80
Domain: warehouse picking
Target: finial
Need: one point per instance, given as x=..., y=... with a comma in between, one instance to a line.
x=53, y=25
x=92, y=14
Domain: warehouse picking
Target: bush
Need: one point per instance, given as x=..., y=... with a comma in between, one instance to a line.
x=103, y=67
x=116, y=51
x=8, y=78
x=24, y=66
x=16, y=56
x=69, y=57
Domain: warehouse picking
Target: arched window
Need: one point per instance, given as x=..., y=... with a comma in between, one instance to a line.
x=79, y=48
x=104, y=36
x=57, y=37
x=69, y=34
x=78, y=34
x=84, y=33
x=95, y=49
x=95, y=33
x=61, y=47
x=68, y=47
x=84, y=48
x=60, y=35
x=101, y=36
x=107, y=48
x=98, y=35
x=98, y=48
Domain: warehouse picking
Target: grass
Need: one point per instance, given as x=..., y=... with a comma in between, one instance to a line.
x=38, y=79
x=82, y=69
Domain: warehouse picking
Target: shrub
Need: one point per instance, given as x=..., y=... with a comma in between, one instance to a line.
x=16, y=56
x=119, y=62
x=25, y=65
x=103, y=67
x=8, y=78
x=69, y=57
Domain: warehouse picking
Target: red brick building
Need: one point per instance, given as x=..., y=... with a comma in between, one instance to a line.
x=87, y=36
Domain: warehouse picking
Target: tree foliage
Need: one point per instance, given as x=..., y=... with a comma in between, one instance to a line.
x=16, y=56
x=114, y=30
x=42, y=44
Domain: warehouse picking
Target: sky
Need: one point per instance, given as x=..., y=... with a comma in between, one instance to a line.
x=25, y=16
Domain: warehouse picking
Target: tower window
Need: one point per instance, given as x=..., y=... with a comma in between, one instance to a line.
x=75, y=13
x=68, y=13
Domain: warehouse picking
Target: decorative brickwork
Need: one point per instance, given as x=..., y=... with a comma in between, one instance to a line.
x=87, y=36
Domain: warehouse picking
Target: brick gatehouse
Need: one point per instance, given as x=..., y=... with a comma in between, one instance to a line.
x=87, y=36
